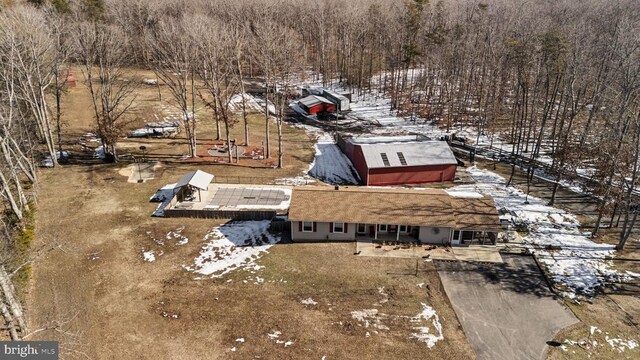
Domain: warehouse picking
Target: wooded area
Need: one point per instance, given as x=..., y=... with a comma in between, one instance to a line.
x=554, y=77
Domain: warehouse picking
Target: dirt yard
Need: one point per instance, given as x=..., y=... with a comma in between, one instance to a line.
x=112, y=304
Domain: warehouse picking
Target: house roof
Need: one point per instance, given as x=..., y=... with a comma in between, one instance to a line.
x=393, y=206
x=198, y=179
x=334, y=94
x=414, y=153
x=313, y=100
x=368, y=139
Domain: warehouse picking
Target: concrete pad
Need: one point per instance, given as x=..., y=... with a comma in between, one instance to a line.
x=479, y=253
x=141, y=172
x=506, y=310
x=473, y=253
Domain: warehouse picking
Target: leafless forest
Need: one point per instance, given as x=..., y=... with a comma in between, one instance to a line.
x=559, y=77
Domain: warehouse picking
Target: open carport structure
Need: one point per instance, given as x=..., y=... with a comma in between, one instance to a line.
x=506, y=310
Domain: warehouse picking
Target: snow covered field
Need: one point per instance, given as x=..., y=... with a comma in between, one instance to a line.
x=251, y=104
x=575, y=262
x=426, y=324
x=232, y=246
x=331, y=165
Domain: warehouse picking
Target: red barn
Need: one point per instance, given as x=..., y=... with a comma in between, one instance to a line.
x=314, y=105
x=400, y=160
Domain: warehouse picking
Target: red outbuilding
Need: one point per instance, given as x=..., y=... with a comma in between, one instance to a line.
x=400, y=160
x=314, y=105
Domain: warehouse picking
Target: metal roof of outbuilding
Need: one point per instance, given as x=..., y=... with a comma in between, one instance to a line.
x=198, y=179
x=313, y=100
x=418, y=153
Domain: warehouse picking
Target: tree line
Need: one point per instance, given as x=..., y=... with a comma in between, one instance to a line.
x=555, y=78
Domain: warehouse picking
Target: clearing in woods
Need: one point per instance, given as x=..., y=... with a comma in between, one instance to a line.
x=128, y=286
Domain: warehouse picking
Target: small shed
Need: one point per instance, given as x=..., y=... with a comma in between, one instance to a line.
x=189, y=184
x=314, y=105
x=341, y=101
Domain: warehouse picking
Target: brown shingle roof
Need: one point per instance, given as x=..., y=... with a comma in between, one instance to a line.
x=393, y=206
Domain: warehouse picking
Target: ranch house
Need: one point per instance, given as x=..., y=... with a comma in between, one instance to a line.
x=422, y=216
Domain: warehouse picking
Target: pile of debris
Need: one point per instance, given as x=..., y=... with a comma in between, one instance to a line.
x=164, y=129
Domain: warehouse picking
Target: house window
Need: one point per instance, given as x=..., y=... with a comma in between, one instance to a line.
x=338, y=227
x=456, y=235
x=403, y=228
x=307, y=226
x=362, y=229
x=382, y=228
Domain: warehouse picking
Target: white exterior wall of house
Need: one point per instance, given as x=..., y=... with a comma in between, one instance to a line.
x=323, y=232
x=434, y=235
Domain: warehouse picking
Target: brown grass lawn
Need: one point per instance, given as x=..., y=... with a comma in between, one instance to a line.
x=616, y=316
x=113, y=305
x=115, y=301
x=78, y=118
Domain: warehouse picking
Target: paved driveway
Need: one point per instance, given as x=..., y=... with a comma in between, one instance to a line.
x=506, y=310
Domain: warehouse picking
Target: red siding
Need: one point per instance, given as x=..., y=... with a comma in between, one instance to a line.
x=357, y=158
x=322, y=107
x=411, y=175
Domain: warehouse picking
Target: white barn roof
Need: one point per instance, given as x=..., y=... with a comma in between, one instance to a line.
x=418, y=153
x=313, y=100
x=198, y=179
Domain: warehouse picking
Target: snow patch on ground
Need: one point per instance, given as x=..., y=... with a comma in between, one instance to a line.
x=574, y=261
x=275, y=336
x=235, y=245
x=424, y=333
x=426, y=324
x=177, y=235
x=331, y=165
x=296, y=181
x=615, y=343
x=163, y=196
x=309, y=301
x=385, y=297
x=620, y=344
x=149, y=256
x=370, y=317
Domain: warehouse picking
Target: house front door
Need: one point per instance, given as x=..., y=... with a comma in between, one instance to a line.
x=372, y=230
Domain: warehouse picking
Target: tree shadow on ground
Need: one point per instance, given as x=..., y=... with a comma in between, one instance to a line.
x=518, y=273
